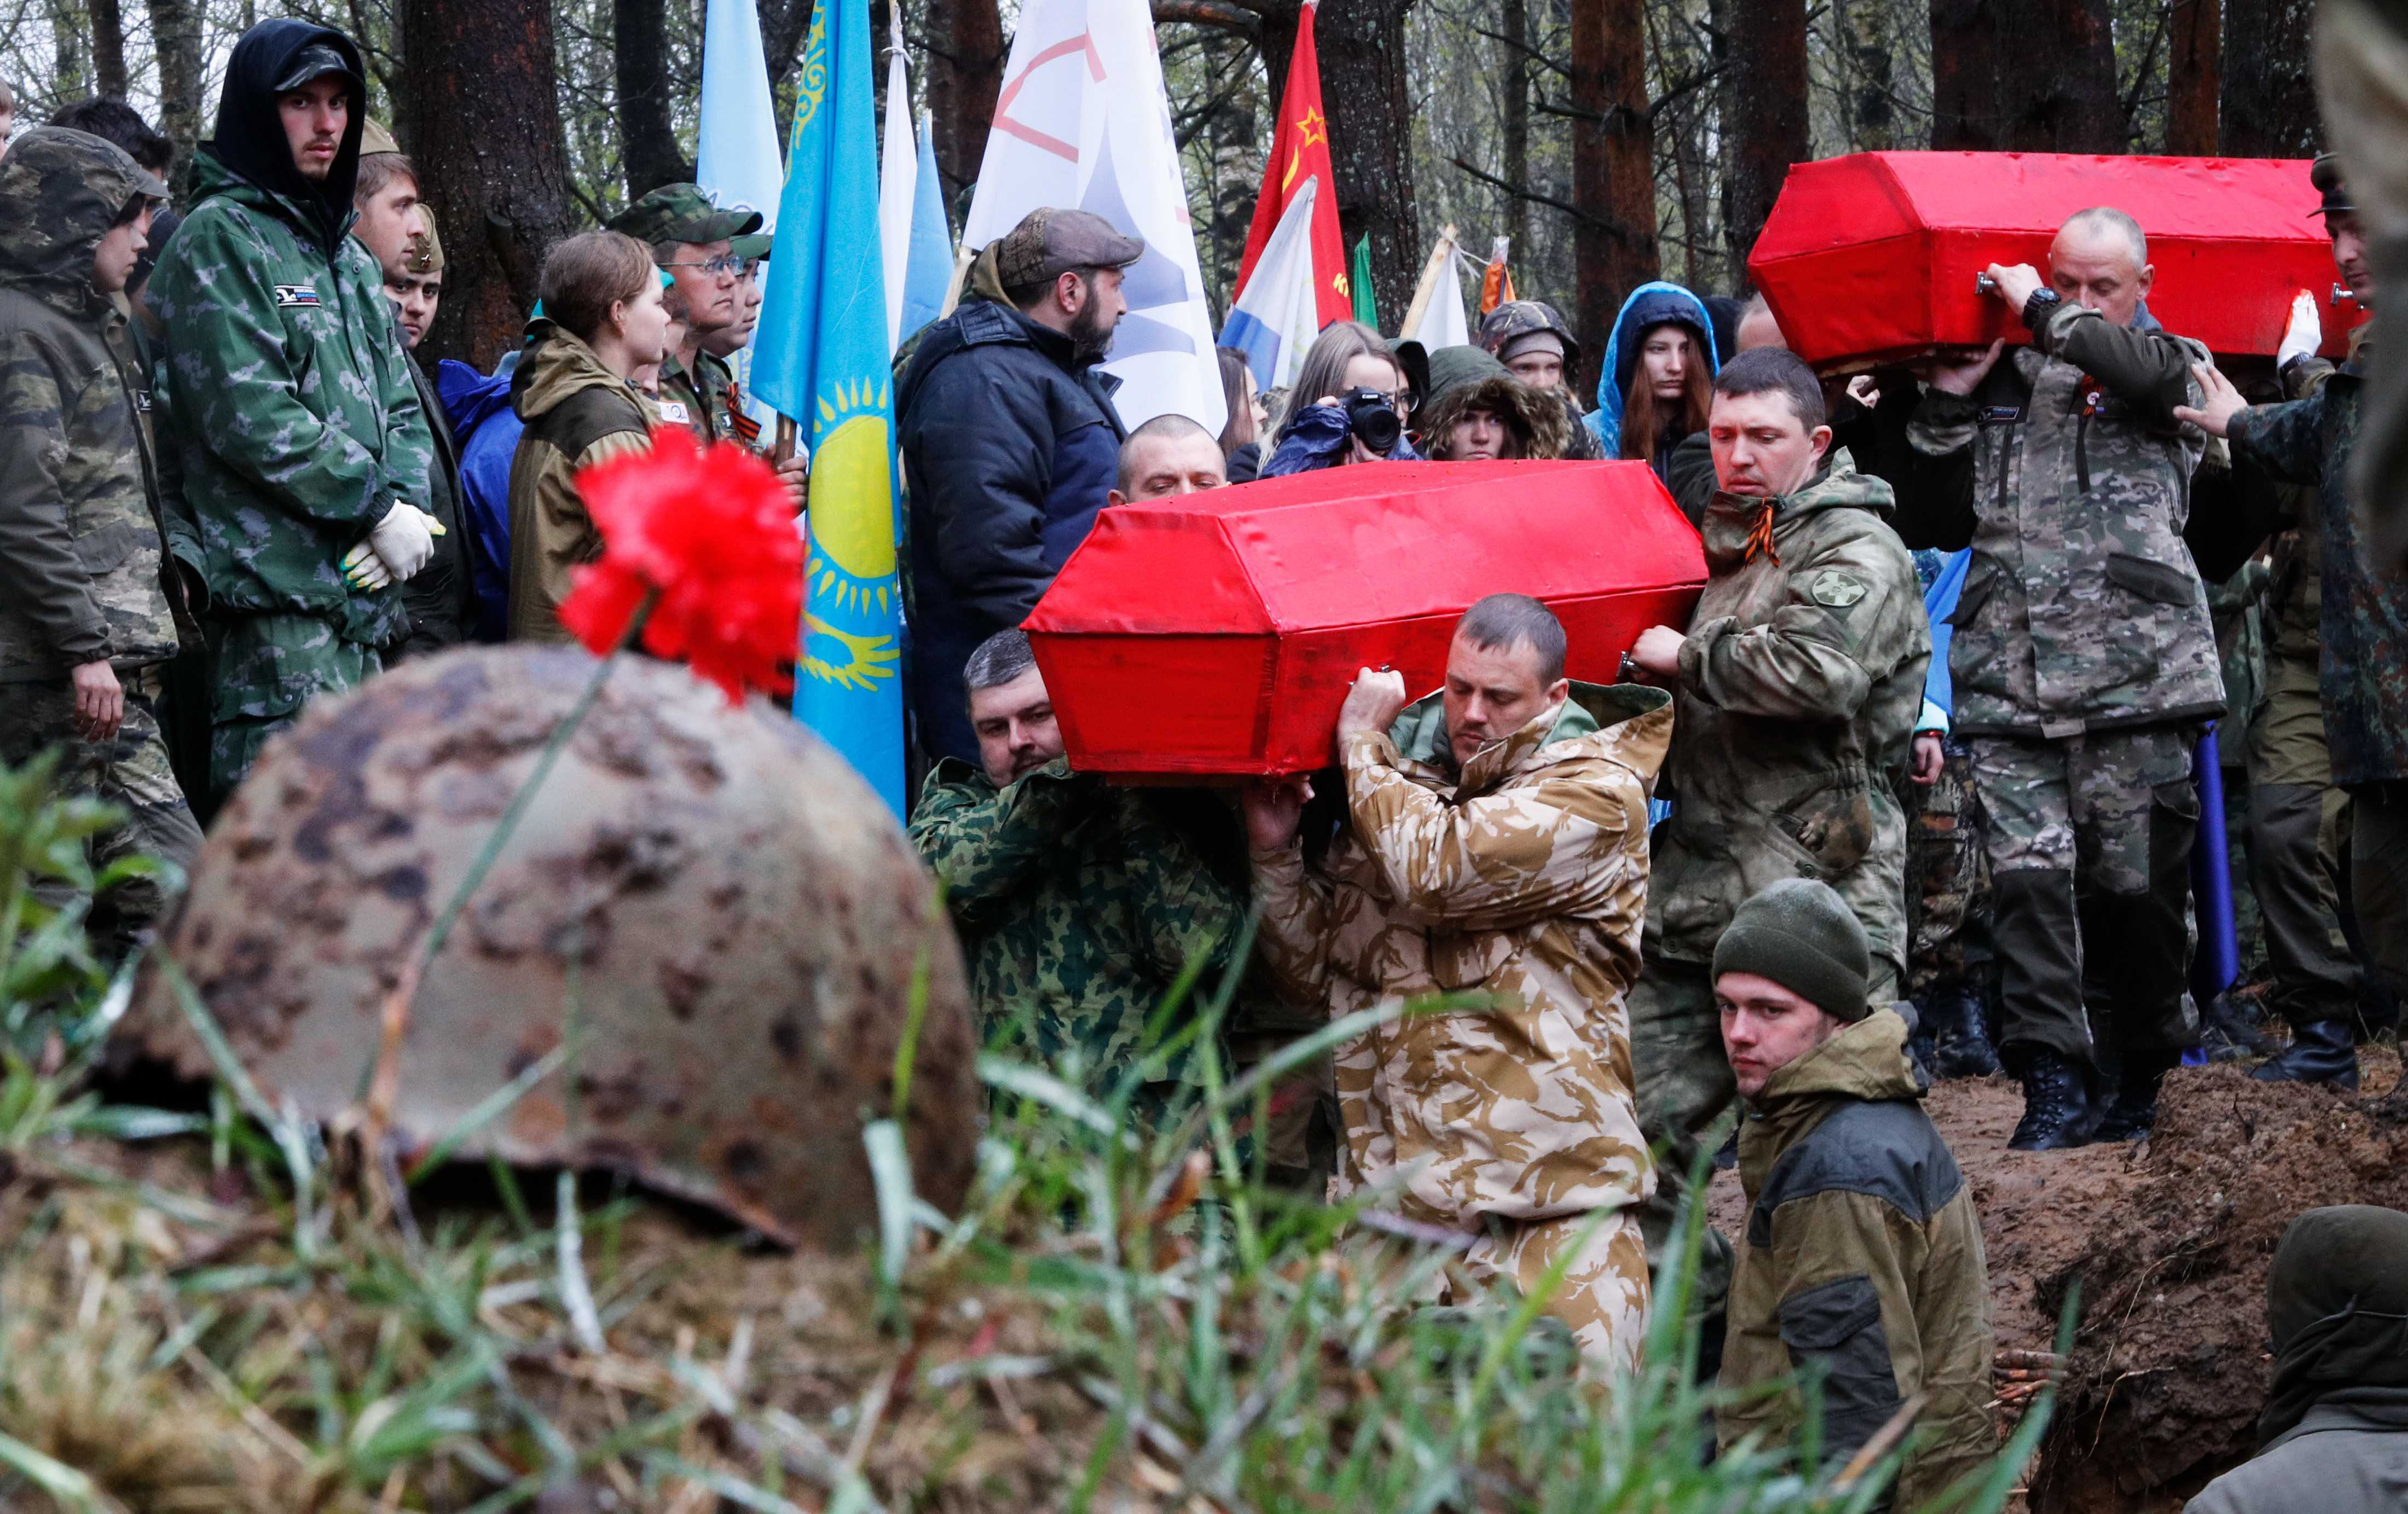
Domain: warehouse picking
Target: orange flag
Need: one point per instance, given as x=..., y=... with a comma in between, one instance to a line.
x=1496, y=284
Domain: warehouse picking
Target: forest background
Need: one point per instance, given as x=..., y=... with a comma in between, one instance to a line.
x=1613, y=140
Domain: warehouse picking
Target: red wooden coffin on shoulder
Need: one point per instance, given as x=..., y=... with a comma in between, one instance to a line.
x=1217, y=633
x=1873, y=257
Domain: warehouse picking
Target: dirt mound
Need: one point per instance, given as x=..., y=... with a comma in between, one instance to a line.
x=2170, y=1367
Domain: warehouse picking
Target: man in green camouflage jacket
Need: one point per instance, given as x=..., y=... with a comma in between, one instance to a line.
x=286, y=396
x=690, y=238
x=1795, y=693
x=2363, y=669
x=2085, y=665
x=1079, y=905
x=89, y=602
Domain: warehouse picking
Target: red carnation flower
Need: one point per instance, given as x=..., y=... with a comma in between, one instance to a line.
x=709, y=537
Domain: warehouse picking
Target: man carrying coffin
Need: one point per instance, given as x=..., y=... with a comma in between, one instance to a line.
x=1495, y=846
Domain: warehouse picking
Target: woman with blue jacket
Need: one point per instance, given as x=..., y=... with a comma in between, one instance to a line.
x=1658, y=377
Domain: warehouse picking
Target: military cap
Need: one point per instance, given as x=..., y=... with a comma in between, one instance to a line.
x=683, y=213
x=2325, y=174
x=316, y=61
x=1518, y=325
x=752, y=245
x=424, y=252
x=1049, y=243
x=374, y=139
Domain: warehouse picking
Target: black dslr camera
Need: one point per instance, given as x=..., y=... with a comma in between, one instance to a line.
x=1373, y=421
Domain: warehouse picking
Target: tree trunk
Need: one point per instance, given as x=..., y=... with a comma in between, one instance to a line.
x=176, y=33
x=483, y=121
x=2194, y=64
x=1514, y=22
x=1363, y=94
x=2027, y=76
x=1614, y=169
x=965, y=73
x=1767, y=128
x=785, y=23
x=68, y=58
x=1864, y=40
x=107, y=49
x=2269, y=92
x=648, y=144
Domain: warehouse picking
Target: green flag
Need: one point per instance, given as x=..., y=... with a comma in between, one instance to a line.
x=1366, y=310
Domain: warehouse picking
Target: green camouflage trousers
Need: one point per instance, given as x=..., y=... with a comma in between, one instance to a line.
x=1684, y=1087
x=267, y=667
x=1947, y=879
x=130, y=771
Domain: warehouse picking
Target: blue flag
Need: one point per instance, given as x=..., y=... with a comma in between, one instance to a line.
x=929, y=271
x=821, y=356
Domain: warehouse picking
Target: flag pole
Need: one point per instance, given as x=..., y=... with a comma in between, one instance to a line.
x=1440, y=257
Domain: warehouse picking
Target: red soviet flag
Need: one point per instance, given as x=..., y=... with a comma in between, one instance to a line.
x=1300, y=154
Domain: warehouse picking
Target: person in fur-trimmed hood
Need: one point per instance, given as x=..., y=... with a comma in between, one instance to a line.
x=1477, y=411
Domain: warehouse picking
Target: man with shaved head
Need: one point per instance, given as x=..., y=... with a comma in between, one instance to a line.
x=1169, y=456
x=2085, y=666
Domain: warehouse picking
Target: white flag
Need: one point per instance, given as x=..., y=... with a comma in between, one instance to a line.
x=1442, y=323
x=1083, y=123
x=898, y=174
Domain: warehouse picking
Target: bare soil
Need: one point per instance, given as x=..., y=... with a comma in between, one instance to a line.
x=2168, y=1241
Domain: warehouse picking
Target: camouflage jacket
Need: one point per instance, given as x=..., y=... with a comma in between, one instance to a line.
x=1078, y=906
x=699, y=394
x=2364, y=670
x=287, y=396
x=2082, y=610
x=1861, y=1256
x=1523, y=875
x=84, y=573
x=1800, y=682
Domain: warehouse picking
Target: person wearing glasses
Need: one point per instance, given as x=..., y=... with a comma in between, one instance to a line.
x=691, y=237
x=1356, y=417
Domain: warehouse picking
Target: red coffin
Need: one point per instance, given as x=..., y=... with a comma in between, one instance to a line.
x=1873, y=257
x=1217, y=633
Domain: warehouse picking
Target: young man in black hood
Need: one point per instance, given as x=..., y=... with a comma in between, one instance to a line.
x=302, y=445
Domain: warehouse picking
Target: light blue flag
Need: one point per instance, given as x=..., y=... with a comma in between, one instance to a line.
x=821, y=357
x=929, y=271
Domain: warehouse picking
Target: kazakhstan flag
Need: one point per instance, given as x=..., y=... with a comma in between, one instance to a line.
x=821, y=357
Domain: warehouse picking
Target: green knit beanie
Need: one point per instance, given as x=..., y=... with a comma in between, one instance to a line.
x=1801, y=934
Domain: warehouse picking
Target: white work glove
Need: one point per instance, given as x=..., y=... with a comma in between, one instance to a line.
x=397, y=547
x=2303, y=336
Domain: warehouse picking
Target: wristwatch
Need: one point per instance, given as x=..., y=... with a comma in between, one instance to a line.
x=2041, y=304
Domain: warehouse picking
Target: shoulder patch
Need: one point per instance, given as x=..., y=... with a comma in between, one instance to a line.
x=289, y=295
x=1836, y=588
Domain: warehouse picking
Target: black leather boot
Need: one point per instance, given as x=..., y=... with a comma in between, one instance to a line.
x=1960, y=1043
x=2227, y=1034
x=2056, y=1103
x=2133, y=1112
x=2321, y=1051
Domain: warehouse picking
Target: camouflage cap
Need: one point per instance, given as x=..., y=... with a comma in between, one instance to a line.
x=423, y=254
x=1510, y=322
x=754, y=245
x=1049, y=243
x=316, y=61
x=2325, y=174
x=683, y=213
x=374, y=139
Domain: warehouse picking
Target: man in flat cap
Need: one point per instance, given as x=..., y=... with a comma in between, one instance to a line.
x=287, y=397
x=1537, y=346
x=691, y=237
x=1010, y=443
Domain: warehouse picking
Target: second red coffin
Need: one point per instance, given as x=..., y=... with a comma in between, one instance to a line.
x=1216, y=634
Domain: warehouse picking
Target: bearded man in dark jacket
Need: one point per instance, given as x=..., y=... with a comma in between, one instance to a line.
x=1010, y=443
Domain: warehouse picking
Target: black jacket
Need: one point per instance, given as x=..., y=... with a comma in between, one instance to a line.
x=1009, y=447
x=437, y=597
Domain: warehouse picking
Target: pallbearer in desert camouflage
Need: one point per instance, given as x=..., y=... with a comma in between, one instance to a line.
x=1495, y=844
x=90, y=607
x=2085, y=663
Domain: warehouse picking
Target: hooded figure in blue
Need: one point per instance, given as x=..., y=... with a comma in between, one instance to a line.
x=1650, y=306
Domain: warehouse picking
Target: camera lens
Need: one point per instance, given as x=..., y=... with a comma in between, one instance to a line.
x=1374, y=422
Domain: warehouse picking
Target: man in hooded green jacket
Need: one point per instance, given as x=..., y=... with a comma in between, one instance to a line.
x=90, y=607
x=287, y=396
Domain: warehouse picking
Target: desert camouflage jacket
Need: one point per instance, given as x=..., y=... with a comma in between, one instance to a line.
x=1800, y=682
x=1861, y=1256
x=1078, y=906
x=2082, y=610
x=2364, y=670
x=1523, y=875
x=285, y=393
x=83, y=568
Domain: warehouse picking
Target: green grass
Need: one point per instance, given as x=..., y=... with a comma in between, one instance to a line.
x=225, y=1311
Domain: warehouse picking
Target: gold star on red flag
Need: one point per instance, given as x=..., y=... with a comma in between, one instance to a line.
x=1314, y=129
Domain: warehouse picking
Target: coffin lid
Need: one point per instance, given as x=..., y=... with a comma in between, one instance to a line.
x=1368, y=545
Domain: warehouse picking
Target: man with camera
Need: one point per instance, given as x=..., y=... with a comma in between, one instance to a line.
x=1796, y=691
